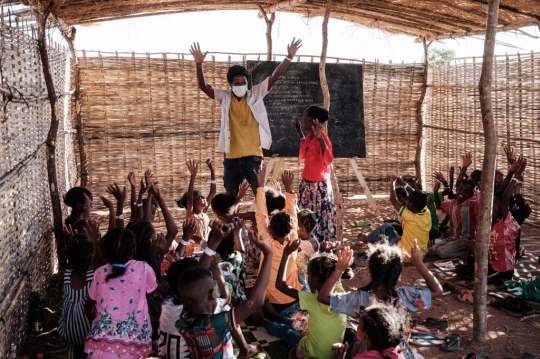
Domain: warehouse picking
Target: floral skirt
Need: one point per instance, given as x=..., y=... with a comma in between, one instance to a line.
x=319, y=198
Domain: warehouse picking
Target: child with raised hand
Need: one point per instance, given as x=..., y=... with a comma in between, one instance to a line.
x=208, y=335
x=307, y=221
x=80, y=201
x=195, y=203
x=504, y=230
x=315, y=191
x=385, y=266
x=325, y=327
x=73, y=325
x=276, y=232
x=380, y=328
x=122, y=326
x=116, y=219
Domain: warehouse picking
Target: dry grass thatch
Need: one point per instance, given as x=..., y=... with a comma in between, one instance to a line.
x=427, y=18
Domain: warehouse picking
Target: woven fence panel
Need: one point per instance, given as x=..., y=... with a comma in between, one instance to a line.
x=454, y=121
x=28, y=258
x=145, y=111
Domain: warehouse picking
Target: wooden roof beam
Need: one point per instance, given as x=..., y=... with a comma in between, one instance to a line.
x=281, y=5
x=474, y=33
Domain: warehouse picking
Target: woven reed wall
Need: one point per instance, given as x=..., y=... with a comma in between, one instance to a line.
x=145, y=111
x=28, y=256
x=454, y=121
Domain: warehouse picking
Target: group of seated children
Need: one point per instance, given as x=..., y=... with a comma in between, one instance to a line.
x=132, y=286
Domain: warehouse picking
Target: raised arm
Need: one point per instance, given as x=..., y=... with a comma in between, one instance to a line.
x=112, y=218
x=431, y=281
x=281, y=279
x=345, y=260
x=466, y=161
x=451, y=175
x=400, y=182
x=505, y=199
x=212, y=182
x=220, y=281
x=238, y=224
x=297, y=128
x=514, y=167
x=436, y=187
x=261, y=212
x=170, y=224
x=393, y=195
x=509, y=152
x=198, y=56
x=291, y=52
x=120, y=195
x=133, y=200
x=140, y=208
x=257, y=294
x=242, y=190
x=193, y=169
x=188, y=230
x=219, y=233
x=148, y=208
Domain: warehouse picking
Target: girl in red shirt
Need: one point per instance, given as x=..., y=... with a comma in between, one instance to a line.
x=315, y=192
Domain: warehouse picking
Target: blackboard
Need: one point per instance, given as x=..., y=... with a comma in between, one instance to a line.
x=298, y=88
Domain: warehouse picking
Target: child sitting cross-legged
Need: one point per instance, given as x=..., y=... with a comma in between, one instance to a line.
x=208, y=335
x=385, y=266
x=325, y=327
x=416, y=220
x=380, y=328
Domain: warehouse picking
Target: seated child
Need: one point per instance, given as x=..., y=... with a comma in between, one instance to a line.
x=380, y=328
x=502, y=246
x=307, y=221
x=195, y=203
x=463, y=212
x=208, y=335
x=385, y=266
x=73, y=325
x=416, y=221
x=324, y=327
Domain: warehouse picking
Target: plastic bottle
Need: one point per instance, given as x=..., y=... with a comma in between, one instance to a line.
x=35, y=314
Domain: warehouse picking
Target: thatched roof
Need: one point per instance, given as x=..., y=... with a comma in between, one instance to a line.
x=421, y=18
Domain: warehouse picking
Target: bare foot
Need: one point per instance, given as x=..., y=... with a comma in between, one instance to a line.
x=250, y=351
x=362, y=237
x=259, y=320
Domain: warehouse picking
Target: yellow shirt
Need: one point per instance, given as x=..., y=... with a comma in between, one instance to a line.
x=244, y=130
x=261, y=214
x=415, y=225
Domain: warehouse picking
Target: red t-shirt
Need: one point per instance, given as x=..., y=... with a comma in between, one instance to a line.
x=502, y=245
x=316, y=165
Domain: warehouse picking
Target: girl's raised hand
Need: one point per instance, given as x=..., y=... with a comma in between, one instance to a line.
x=510, y=156
x=119, y=194
x=287, y=178
x=238, y=224
x=317, y=128
x=210, y=165
x=219, y=230
x=91, y=228
x=214, y=264
x=106, y=202
x=292, y=245
x=345, y=259
x=416, y=254
x=466, y=160
x=242, y=190
x=192, y=167
x=522, y=167
x=148, y=178
x=159, y=244
x=329, y=246
x=439, y=177
x=260, y=243
x=155, y=190
x=296, y=123
x=188, y=228
x=131, y=179
x=261, y=175
x=143, y=187
x=516, y=164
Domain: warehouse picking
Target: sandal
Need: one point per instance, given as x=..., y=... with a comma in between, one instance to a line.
x=474, y=356
x=434, y=323
x=448, y=288
x=511, y=306
x=452, y=343
x=426, y=341
x=467, y=296
x=526, y=308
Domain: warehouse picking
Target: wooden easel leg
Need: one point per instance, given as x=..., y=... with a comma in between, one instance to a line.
x=360, y=177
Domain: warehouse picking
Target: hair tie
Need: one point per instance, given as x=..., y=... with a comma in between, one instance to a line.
x=390, y=353
x=119, y=265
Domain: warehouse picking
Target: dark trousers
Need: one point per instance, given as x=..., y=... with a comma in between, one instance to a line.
x=235, y=170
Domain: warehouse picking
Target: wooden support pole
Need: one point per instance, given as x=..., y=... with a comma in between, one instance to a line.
x=488, y=175
x=51, y=138
x=420, y=117
x=269, y=23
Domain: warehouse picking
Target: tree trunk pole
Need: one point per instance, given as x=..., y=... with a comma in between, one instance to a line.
x=51, y=139
x=488, y=173
x=269, y=23
x=420, y=117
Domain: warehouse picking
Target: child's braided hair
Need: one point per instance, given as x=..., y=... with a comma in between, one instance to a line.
x=281, y=224
x=384, y=266
x=384, y=325
x=322, y=265
x=79, y=250
x=118, y=246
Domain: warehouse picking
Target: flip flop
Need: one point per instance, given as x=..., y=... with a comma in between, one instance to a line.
x=426, y=341
x=467, y=296
x=452, y=343
x=416, y=333
x=510, y=306
x=526, y=308
x=434, y=323
x=448, y=288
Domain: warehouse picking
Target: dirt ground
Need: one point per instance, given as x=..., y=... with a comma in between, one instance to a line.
x=507, y=337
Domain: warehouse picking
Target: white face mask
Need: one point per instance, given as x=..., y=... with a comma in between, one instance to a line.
x=239, y=91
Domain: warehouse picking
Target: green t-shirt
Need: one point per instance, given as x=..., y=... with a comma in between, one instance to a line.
x=433, y=209
x=324, y=327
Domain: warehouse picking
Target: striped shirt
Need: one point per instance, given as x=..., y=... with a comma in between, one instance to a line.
x=462, y=218
x=73, y=325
